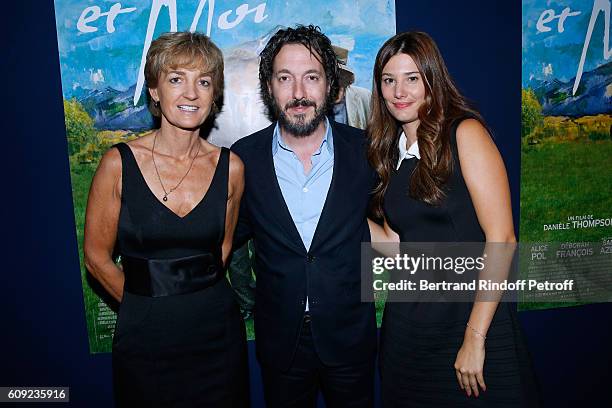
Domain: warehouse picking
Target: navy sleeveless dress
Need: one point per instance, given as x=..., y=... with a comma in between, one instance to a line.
x=420, y=340
x=179, y=339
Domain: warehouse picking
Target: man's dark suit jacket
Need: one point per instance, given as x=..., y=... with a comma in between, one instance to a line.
x=343, y=328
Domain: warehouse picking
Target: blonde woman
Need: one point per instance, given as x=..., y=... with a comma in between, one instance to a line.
x=167, y=203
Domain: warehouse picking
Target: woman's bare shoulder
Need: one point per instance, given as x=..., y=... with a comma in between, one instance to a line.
x=474, y=139
x=236, y=165
x=110, y=163
x=142, y=144
x=471, y=129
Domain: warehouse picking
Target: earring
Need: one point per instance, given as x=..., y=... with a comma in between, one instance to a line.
x=156, y=104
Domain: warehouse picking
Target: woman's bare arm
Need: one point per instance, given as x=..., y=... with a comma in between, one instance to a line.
x=487, y=182
x=101, y=219
x=236, y=187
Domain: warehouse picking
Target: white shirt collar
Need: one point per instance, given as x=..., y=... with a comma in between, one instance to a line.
x=412, y=151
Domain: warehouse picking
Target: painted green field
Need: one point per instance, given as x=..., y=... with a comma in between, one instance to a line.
x=562, y=179
x=100, y=334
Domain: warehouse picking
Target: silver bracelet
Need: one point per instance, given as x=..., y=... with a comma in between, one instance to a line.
x=476, y=331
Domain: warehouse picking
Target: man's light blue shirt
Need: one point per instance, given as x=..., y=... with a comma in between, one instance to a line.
x=304, y=194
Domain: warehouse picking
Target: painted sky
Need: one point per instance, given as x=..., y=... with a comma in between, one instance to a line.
x=97, y=59
x=554, y=54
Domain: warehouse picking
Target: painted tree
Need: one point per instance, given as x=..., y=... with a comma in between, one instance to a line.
x=79, y=126
x=531, y=112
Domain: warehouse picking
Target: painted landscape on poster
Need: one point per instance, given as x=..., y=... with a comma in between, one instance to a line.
x=566, y=135
x=102, y=45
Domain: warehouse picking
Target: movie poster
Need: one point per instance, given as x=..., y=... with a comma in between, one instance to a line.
x=102, y=47
x=566, y=146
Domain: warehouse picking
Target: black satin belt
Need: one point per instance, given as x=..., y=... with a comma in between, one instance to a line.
x=166, y=277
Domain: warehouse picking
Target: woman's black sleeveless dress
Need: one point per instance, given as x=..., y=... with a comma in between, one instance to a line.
x=420, y=340
x=179, y=339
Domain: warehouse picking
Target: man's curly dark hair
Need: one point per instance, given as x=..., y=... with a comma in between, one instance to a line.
x=316, y=42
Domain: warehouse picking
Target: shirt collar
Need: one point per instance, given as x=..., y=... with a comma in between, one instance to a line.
x=328, y=140
x=406, y=153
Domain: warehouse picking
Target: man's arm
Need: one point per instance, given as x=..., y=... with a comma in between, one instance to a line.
x=243, y=228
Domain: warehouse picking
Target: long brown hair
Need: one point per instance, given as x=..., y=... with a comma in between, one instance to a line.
x=443, y=105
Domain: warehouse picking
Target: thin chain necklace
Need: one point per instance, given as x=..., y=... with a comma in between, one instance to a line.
x=167, y=193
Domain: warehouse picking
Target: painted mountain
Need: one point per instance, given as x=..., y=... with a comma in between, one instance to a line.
x=242, y=114
x=593, y=96
x=114, y=110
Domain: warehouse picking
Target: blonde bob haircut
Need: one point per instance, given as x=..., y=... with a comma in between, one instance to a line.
x=184, y=50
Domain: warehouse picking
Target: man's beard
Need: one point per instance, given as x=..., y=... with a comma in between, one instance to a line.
x=300, y=127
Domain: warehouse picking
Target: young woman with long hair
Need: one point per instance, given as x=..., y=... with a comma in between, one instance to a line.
x=441, y=179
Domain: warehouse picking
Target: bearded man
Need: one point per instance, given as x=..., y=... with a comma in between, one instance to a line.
x=307, y=188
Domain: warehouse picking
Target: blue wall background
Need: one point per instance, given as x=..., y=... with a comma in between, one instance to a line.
x=43, y=332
